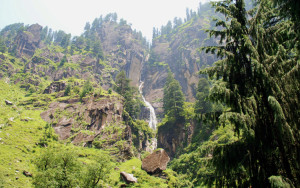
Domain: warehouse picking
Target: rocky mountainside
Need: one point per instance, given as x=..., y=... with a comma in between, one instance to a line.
x=109, y=109
x=178, y=52
x=71, y=81
x=123, y=50
x=121, y=46
x=49, y=68
x=37, y=62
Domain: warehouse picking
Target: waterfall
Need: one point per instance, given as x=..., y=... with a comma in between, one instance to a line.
x=152, y=121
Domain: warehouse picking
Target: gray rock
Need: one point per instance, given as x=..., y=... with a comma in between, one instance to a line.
x=7, y=102
x=128, y=178
x=27, y=174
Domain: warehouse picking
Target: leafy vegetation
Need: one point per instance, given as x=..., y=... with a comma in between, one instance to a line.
x=173, y=98
x=242, y=130
x=132, y=104
x=87, y=87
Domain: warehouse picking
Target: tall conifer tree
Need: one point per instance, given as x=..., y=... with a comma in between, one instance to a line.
x=258, y=78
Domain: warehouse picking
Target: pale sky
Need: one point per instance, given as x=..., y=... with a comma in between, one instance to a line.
x=71, y=15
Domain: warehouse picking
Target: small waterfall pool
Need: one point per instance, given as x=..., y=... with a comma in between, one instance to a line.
x=152, y=118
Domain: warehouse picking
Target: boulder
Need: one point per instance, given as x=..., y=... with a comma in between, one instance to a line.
x=156, y=162
x=27, y=174
x=128, y=178
x=7, y=102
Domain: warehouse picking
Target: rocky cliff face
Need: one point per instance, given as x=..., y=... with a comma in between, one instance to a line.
x=69, y=117
x=180, y=52
x=96, y=121
x=27, y=41
x=177, y=51
x=123, y=49
x=173, y=137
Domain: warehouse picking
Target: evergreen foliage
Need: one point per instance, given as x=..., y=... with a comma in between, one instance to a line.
x=63, y=61
x=67, y=90
x=87, y=88
x=195, y=162
x=173, y=99
x=132, y=105
x=257, y=79
x=255, y=143
x=202, y=104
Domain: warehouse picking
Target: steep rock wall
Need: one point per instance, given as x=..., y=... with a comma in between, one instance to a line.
x=179, y=52
x=123, y=49
x=27, y=41
x=173, y=137
x=93, y=114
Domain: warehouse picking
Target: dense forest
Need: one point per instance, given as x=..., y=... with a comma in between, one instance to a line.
x=222, y=83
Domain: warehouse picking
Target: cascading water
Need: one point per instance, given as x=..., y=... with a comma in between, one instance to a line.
x=152, y=118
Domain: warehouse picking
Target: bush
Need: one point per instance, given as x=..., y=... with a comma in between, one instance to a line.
x=63, y=61
x=57, y=167
x=76, y=89
x=61, y=166
x=87, y=88
x=68, y=90
x=48, y=136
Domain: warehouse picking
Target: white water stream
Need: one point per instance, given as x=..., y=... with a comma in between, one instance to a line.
x=152, y=118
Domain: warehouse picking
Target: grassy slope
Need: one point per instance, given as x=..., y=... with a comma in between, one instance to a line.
x=19, y=149
x=18, y=138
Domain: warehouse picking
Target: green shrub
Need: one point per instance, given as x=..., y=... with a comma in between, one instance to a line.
x=76, y=89
x=68, y=90
x=87, y=88
x=63, y=61
x=57, y=167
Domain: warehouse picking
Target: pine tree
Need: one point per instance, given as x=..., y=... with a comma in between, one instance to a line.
x=202, y=104
x=129, y=93
x=87, y=29
x=44, y=33
x=122, y=83
x=65, y=40
x=258, y=78
x=173, y=99
x=289, y=8
x=97, y=49
x=49, y=38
